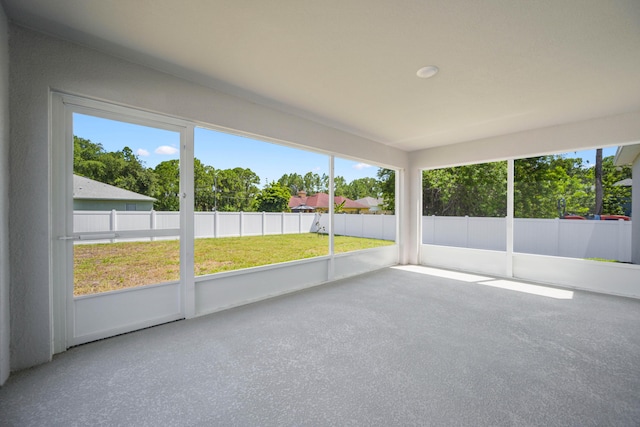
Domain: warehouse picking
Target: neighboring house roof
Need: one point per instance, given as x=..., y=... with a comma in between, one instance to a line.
x=370, y=202
x=626, y=154
x=624, y=183
x=88, y=189
x=321, y=200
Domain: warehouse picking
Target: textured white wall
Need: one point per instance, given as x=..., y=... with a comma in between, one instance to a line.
x=40, y=63
x=4, y=198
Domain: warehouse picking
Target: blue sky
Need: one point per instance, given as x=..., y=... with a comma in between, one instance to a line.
x=590, y=155
x=220, y=150
x=226, y=151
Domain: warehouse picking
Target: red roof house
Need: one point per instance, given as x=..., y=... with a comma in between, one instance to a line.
x=319, y=202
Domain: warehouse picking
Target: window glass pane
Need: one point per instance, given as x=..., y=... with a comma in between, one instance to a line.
x=116, y=188
x=254, y=203
x=465, y=206
x=362, y=218
x=563, y=207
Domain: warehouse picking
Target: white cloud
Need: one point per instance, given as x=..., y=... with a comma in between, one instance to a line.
x=361, y=166
x=165, y=149
x=142, y=152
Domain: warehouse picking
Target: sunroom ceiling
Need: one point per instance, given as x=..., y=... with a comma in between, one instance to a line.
x=505, y=65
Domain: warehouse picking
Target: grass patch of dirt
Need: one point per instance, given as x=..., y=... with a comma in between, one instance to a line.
x=113, y=266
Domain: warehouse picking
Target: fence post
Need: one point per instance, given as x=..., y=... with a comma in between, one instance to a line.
x=264, y=223
x=558, y=240
x=241, y=222
x=215, y=224
x=152, y=222
x=466, y=223
x=621, y=246
x=434, y=230
x=281, y=222
x=113, y=223
x=299, y=222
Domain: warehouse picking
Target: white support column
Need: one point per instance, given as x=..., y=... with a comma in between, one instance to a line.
x=186, y=223
x=510, y=189
x=331, y=272
x=635, y=212
x=409, y=214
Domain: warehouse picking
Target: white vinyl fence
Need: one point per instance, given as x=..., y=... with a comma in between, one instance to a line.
x=232, y=224
x=555, y=237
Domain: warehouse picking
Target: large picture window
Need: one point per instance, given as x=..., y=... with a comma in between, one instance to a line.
x=465, y=206
x=574, y=204
x=245, y=213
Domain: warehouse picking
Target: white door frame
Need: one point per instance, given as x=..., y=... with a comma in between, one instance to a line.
x=63, y=305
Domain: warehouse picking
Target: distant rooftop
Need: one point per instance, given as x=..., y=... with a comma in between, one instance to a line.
x=88, y=189
x=371, y=202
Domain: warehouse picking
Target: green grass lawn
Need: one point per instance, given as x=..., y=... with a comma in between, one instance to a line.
x=112, y=266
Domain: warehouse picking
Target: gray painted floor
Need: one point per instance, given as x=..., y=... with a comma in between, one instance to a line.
x=388, y=348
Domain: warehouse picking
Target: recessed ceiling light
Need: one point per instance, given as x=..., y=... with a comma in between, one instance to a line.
x=426, y=72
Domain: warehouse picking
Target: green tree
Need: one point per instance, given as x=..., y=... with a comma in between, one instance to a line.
x=122, y=169
x=340, y=186
x=617, y=198
x=293, y=182
x=363, y=187
x=273, y=198
x=598, y=183
x=130, y=173
x=236, y=189
x=544, y=183
x=86, y=159
x=387, y=183
x=474, y=190
x=204, y=180
x=167, y=192
x=312, y=183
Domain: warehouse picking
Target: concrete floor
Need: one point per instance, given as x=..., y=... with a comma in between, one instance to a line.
x=393, y=347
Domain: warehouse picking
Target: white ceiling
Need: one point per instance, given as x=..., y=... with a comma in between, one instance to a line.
x=505, y=65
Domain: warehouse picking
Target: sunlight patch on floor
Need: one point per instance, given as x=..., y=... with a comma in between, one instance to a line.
x=511, y=285
x=528, y=288
x=446, y=274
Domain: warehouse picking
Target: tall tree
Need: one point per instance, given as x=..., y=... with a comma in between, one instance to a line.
x=363, y=187
x=340, y=186
x=474, y=190
x=312, y=183
x=598, y=175
x=86, y=158
x=236, y=189
x=122, y=169
x=204, y=177
x=617, y=198
x=541, y=183
x=387, y=180
x=273, y=198
x=167, y=193
x=293, y=182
